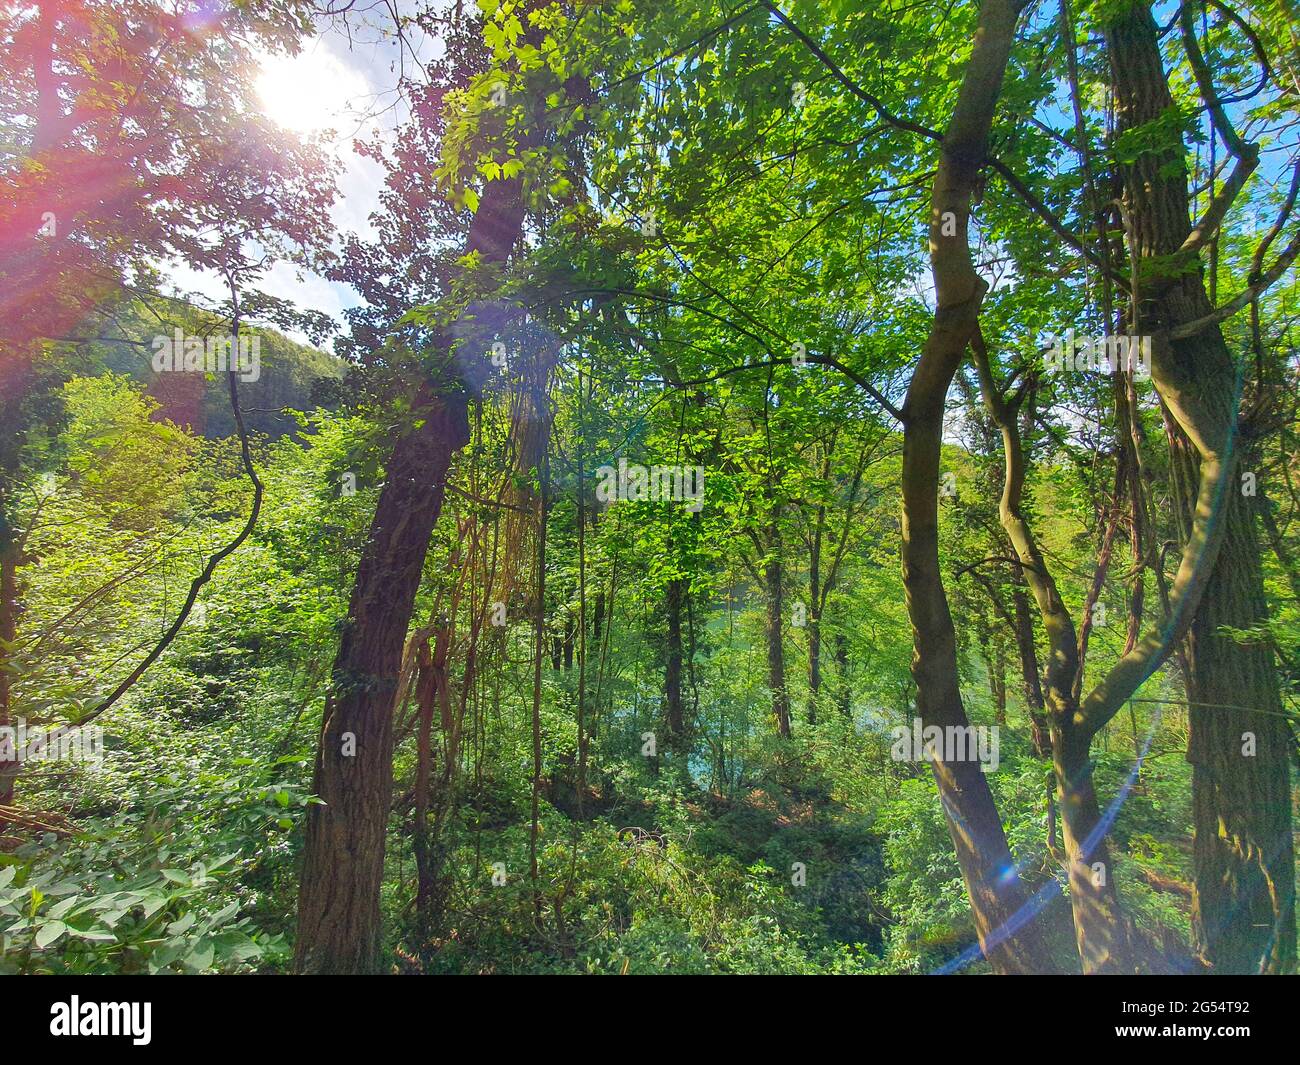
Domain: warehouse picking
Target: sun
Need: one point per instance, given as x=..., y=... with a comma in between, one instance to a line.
x=309, y=92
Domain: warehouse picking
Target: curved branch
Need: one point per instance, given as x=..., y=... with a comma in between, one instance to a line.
x=210, y=568
x=1245, y=297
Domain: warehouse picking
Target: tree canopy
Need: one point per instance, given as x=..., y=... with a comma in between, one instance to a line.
x=801, y=487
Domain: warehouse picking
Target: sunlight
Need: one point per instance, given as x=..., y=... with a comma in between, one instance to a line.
x=309, y=92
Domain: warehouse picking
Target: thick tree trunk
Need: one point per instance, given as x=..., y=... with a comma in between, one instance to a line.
x=1240, y=747
x=1244, y=873
x=343, y=856
x=343, y=859
x=1102, y=930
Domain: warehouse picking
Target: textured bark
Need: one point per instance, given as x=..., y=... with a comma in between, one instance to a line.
x=343, y=856
x=1244, y=901
x=1239, y=747
x=1102, y=931
x=1191, y=368
x=343, y=859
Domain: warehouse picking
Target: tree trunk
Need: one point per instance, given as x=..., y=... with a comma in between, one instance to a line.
x=343, y=858
x=842, y=667
x=1008, y=935
x=1244, y=901
x=1243, y=905
x=814, y=663
x=1102, y=930
x=815, y=596
x=343, y=855
x=1029, y=674
x=676, y=593
x=998, y=679
x=774, y=579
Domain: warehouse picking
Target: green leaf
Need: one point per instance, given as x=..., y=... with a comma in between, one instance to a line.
x=49, y=932
x=200, y=957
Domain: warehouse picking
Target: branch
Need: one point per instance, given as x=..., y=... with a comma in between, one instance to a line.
x=1245, y=152
x=898, y=122
x=1247, y=295
x=820, y=360
x=210, y=568
x=1199, y=554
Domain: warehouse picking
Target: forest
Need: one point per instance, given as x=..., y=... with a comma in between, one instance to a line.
x=676, y=487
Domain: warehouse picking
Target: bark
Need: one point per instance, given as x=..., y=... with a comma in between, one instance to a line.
x=1239, y=745
x=1244, y=870
x=1194, y=374
x=1029, y=672
x=675, y=718
x=998, y=679
x=343, y=858
x=1099, y=574
x=1008, y=936
x=343, y=855
x=842, y=666
x=1102, y=931
x=774, y=579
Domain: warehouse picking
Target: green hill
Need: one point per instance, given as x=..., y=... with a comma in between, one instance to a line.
x=288, y=371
